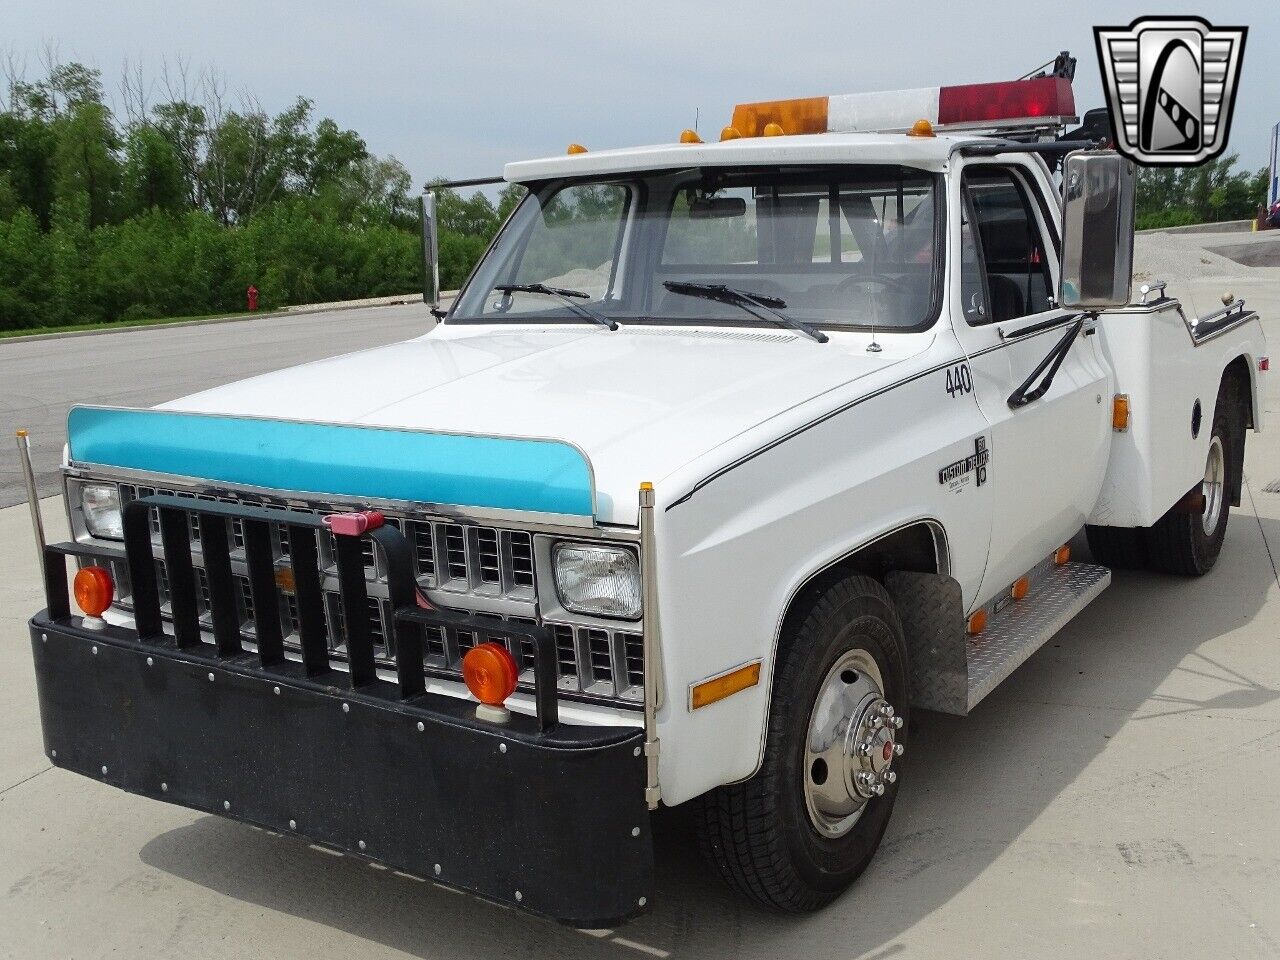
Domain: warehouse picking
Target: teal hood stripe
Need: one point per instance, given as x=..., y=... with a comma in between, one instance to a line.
x=377, y=463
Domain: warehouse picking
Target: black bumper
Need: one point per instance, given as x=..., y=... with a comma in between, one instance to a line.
x=540, y=815
x=551, y=823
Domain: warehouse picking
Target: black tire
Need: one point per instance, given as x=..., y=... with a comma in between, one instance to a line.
x=1120, y=548
x=1179, y=543
x=758, y=834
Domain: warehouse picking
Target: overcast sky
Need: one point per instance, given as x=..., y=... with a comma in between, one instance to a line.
x=457, y=89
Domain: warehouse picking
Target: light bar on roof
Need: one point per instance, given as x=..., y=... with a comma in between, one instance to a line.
x=1040, y=102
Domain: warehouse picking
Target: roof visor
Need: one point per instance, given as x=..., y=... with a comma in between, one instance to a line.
x=1039, y=102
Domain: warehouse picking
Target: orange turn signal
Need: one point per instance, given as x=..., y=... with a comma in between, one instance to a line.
x=1021, y=587
x=1062, y=555
x=977, y=622
x=727, y=684
x=690, y=136
x=1120, y=412
x=575, y=148
x=94, y=590
x=490, y=672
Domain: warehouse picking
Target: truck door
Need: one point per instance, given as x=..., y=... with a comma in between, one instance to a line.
x=1048, y=456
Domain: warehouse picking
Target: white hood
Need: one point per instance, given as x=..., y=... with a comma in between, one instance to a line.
x=640, y=402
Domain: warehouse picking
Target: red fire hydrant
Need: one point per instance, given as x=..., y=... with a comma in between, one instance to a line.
x=253, y=297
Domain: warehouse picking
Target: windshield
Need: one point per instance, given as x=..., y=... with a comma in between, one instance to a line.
x=854, y=247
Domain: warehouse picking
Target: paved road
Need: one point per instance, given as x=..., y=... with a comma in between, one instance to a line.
x=40, y=380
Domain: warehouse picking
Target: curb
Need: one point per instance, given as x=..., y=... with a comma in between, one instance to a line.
x=299, y=311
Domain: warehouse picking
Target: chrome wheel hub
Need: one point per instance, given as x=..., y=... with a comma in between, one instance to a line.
x=1215, y=476
x=851, y=744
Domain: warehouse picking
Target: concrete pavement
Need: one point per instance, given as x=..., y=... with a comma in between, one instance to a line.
x=40, y=380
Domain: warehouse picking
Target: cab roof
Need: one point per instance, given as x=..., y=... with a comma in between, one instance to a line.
x=925, y=153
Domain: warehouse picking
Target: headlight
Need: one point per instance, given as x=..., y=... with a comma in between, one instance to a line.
x=101, y=505
x=603, y=581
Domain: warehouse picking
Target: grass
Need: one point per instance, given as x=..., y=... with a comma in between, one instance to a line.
x=127, y=324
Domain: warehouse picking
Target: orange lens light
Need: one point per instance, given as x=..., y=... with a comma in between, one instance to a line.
x=977, y=622
x=1120, y=412
x=774, y=130
x=806, y=115
x=575, y=148
x=730, y=133
x=94, y=590
x=1021, y=587
x=1062, y=555
x=717, y=688
x=690, y=136
x=921, y=128
x=490, y=672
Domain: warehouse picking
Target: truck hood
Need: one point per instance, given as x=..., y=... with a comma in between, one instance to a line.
x=640, y=402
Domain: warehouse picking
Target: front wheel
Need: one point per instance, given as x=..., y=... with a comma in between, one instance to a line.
x=795, y=835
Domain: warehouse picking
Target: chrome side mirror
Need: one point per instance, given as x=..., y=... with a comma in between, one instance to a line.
x=430, y=251
x=1097, y=230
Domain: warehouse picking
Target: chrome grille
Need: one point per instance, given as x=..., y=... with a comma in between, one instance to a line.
x=453, y=562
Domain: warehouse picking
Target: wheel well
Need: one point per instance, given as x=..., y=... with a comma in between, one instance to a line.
x=919, y=547
x=1238, y=371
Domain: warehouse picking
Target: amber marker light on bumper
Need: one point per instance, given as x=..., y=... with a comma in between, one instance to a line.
x=94, y=590
x=491, y=675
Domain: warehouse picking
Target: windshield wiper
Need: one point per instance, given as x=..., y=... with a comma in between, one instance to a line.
x=767, y=306
x=560, y=293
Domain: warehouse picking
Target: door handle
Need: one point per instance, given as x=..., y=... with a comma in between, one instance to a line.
x=1048, y=368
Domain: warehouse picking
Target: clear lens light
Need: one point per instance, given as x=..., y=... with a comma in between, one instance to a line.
x=101, y=504
x=603, y=581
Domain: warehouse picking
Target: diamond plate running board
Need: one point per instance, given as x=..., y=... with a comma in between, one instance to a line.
x=1021, y=627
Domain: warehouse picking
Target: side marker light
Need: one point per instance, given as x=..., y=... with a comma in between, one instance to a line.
x=576, y=148
x=921, y=128
x=690, y=136
x=725, y=685
x=774, y=130
x=1062, y=555
x=1120, y=413
x=1021, y=587
x=977, y=622
x=730, y=133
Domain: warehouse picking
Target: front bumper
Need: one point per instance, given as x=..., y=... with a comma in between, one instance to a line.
x=536, y=814
x=554, y=823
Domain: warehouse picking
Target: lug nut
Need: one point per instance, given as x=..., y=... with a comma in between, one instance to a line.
x=890, y=777
x=897, y=723
x=887, y=710
x=864, y=749
x=878, y=789
x=898, y=749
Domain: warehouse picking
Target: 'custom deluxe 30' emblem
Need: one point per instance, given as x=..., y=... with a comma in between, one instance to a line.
x=955, y=474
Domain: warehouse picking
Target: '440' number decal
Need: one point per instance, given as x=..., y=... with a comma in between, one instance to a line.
x=959, y=380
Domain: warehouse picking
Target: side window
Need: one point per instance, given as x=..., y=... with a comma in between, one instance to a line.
x=973, y=285
x=1012, y=252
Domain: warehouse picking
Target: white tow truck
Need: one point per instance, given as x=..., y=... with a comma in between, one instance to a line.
x=726, y=458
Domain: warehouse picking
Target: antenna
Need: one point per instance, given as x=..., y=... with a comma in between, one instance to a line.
x=697, y=114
